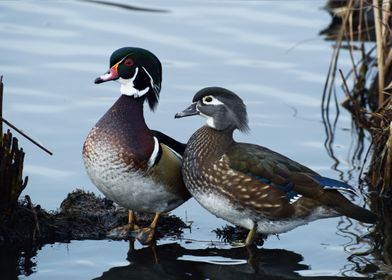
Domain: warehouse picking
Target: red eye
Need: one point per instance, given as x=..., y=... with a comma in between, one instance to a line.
x=128, y=62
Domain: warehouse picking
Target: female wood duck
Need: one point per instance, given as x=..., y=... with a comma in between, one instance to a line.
x=249, y=185
x=136, y=167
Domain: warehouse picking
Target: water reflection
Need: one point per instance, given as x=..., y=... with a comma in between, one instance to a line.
x=172, y=261
x=126, y=7
x=51, y=52
x=16, y=261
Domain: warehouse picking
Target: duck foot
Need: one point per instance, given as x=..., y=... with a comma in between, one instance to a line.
x=122, y=232
x=146, y=235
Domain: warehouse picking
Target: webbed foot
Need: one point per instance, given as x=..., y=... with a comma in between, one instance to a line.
x=146, y=235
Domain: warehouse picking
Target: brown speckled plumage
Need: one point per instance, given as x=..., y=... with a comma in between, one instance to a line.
x=250, y=185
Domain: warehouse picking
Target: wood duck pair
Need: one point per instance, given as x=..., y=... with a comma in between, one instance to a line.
x=138, y=168
x=250, y=185
x=245, y=184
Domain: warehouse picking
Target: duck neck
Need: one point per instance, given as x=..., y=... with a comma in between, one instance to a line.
x=131, y=113
x=125, y=121
x=210, y=143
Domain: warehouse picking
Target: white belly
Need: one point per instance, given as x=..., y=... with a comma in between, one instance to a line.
x=223, y=208
x=131, y=189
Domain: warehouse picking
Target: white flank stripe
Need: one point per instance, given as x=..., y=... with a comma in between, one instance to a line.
x=154, y=154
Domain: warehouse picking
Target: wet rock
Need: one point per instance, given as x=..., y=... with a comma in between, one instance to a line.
x=82, y=215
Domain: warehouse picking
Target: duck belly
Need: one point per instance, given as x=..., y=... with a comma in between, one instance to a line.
x=224, y=208
x=131, y=189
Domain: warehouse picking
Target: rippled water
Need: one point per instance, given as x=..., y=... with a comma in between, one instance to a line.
x=269, y=52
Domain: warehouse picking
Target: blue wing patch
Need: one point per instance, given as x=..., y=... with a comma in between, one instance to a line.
x=332, y=184
x=292, y=196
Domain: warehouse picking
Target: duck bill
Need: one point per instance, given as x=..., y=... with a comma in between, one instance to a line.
x=111, y=75
x=190, y=111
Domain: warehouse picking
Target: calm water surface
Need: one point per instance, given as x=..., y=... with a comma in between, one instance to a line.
x=269, y=52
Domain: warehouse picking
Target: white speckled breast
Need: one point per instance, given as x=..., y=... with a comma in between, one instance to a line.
x=117, y=155
x=121, y=181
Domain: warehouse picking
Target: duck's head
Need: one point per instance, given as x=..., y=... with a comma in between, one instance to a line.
x=139, y=72
x=223, y=109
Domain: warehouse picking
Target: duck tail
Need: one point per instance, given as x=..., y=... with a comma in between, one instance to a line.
x=343, y=206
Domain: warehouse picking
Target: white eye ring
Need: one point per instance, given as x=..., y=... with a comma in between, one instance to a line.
x=210, y=100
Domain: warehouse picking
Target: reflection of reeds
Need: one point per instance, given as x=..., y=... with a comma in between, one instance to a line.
x=368, y=89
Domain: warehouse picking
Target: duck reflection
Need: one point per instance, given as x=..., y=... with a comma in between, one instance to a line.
x=172, y=261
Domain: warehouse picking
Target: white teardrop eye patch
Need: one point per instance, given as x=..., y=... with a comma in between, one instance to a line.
x=210, y=100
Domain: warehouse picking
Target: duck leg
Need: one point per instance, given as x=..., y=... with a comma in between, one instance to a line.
x=125, y=231
x=131, y=221
x=251, y=236
x=146, y=235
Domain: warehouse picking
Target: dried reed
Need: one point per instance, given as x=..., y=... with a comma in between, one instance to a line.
x=369, y=99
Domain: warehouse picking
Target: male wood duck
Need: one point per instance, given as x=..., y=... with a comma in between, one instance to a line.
x=136, y=167
x=250, y=185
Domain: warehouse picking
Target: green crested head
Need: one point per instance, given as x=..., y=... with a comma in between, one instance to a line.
x=138, y=71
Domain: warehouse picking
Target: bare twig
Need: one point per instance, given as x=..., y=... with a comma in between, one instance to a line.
x=37, y=229
x=26, y=136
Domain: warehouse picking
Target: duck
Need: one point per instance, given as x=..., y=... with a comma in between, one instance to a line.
x=135, y=167
x=249, y=185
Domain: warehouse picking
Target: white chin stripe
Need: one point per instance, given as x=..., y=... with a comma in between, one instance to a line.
x=127, y=86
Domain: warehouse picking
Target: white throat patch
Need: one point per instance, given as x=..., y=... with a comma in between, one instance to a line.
x=209, y=120
x=128, y=87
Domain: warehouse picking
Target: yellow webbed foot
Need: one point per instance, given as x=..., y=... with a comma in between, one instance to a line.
x=125, y=231
x=146, y=235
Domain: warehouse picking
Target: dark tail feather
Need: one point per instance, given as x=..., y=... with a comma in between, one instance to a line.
x=345, y=207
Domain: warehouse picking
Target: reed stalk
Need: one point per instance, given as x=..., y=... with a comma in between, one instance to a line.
x=388, y=165
x=380, y=51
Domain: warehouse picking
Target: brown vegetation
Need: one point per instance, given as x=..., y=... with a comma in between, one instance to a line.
x=368, y=89
x=369, y=94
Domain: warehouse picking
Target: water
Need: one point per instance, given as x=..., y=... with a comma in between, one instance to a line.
x=269, y=52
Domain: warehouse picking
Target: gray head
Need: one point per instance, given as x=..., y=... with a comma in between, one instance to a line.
x=223, y=109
